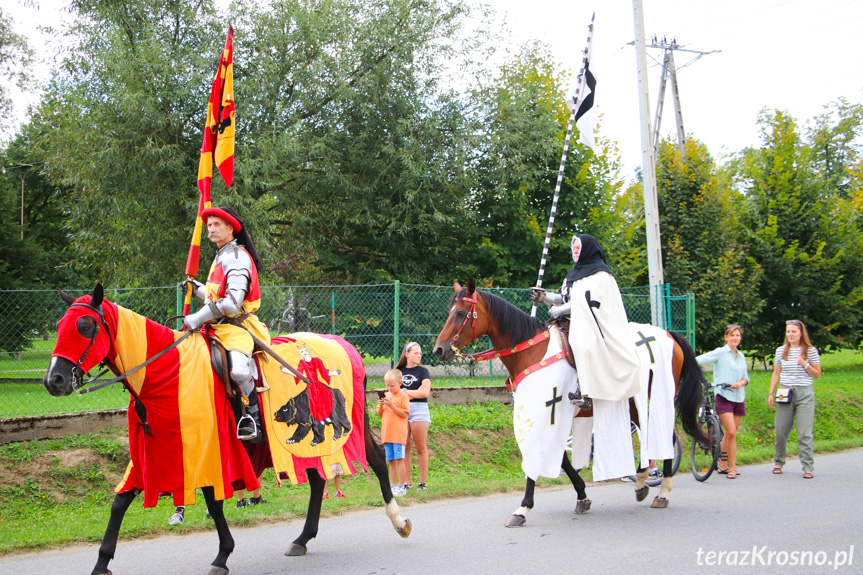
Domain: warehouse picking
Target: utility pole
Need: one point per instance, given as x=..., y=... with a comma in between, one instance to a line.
x=648, y=173
x=23, y=173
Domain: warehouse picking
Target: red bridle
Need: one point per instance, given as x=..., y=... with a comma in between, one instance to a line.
x=471, y=314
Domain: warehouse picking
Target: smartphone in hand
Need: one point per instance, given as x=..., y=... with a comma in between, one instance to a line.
x=381, y=394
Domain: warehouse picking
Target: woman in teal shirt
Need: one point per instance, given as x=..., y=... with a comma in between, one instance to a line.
x=729, y=366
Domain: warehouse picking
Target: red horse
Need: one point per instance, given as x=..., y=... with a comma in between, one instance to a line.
x=473, y=313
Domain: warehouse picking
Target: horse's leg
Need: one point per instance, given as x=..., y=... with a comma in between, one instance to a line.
x=641, y=489
x=661, y=501
x=518, y=516
x=109, y=541
x=226, y=541
x=377, y=461
x=313, y=514
x=583, y=505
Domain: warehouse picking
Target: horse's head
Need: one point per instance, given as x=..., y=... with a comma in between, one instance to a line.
x=83, y=341
x=466, y=321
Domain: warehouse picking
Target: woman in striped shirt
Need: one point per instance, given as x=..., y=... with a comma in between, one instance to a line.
x=797, y=364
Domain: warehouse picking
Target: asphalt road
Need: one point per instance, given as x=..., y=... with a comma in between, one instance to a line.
x=757, y=523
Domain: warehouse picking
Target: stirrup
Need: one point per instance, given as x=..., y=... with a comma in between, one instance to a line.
x=580, y=401
x=245, y=434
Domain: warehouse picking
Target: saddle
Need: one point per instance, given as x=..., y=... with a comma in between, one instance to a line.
x=219, y=359
x=562, y=324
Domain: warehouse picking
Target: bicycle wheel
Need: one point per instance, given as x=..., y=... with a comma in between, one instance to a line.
x=678, y=453
x=704, y=459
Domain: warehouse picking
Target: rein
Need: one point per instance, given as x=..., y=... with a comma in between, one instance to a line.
x=511, y=383
x=78, y=373
x=122, y=377
x=494, y=354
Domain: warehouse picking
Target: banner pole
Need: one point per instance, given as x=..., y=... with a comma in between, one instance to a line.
x=576, y=98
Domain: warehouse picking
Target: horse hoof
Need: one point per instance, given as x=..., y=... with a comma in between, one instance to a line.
x=641, y=494
x=515, y=520
x=405, y=531
x=214, y=570
x=660, y=503
x=583, y=506
x=295, y=550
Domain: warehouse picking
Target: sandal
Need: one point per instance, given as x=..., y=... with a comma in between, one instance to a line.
x=723, y=456
x=732, y=474
x=777, y=470
x=807, y=475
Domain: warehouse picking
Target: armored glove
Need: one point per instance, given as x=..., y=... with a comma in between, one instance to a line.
x=537, y=295
x=196, y=287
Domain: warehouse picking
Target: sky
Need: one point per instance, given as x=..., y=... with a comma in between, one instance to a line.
x=791, y=55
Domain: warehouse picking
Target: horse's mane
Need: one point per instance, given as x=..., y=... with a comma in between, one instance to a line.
x=514, y=323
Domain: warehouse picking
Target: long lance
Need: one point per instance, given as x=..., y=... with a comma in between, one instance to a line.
x=576, y=99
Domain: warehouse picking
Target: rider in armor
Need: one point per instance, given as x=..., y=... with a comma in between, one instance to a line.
x=599, y=335
x=231, y=296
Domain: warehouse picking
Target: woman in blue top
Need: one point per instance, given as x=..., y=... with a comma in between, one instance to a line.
x=729, y=366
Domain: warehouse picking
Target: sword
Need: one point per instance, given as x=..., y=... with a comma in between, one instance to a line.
x=277, y=357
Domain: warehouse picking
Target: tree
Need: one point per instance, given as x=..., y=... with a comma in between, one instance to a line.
x=348, y=149
x=31, y=255
x=16, y=57
x=702, y=250
x=367, y=166
x=523, y=130
x=797, y=231
x=121, y=128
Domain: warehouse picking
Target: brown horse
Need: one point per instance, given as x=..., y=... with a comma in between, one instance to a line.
x=473, y=313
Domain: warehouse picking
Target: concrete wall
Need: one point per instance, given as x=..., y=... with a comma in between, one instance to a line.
x=54, y=426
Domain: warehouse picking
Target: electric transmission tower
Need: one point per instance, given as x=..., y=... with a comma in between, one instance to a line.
x=669, y=73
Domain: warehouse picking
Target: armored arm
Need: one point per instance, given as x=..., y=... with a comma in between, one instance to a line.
x=539, y=295
x=560, y=310
x=236, y=288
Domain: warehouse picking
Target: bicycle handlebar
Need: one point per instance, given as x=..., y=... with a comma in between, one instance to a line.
x=719, y=385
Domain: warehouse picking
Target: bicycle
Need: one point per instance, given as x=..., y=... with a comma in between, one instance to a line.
x=705, y=459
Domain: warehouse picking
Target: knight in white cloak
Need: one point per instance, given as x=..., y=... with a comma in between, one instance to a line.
x=600, y=337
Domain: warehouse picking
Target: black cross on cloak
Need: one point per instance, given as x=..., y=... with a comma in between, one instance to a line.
x=552, y=403
x=594, y=304
x=646, y=341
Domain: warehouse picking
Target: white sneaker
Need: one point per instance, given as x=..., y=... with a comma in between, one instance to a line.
x=178, y=517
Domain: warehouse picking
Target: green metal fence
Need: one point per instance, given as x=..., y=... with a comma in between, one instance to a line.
x=377, y=319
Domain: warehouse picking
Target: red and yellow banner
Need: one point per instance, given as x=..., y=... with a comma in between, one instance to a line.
x=218, y=143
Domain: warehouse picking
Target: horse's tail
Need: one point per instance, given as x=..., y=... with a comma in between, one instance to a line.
x=689, y=391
